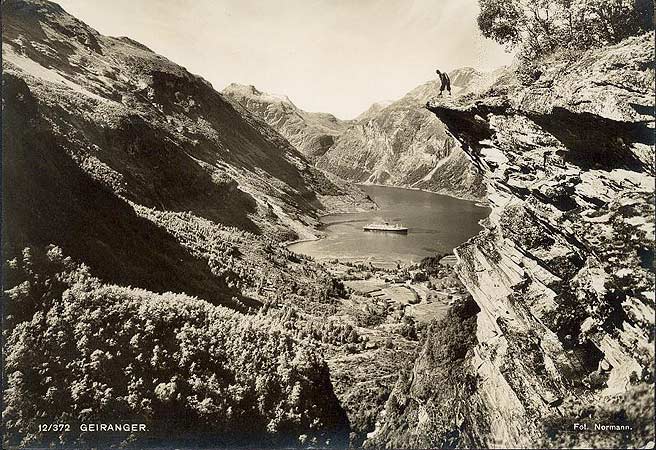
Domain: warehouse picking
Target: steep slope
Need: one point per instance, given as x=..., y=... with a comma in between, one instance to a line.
x=563, y=274
x=311, y=133
x=125, y=180
x=48, y=198
x=195, y=375
x=93, y=121
x=402, y=144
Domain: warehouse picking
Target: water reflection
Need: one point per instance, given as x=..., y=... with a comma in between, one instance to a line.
x=436, y=223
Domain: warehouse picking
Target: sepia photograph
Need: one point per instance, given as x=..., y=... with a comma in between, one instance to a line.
x=328, y=224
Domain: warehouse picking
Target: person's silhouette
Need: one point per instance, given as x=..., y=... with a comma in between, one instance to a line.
x=446, y=81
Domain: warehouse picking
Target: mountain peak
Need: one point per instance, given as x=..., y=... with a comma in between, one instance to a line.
x=466, y=69
x=374, y=109
x=464, y=76
x=250, y=91
x=246, y=88
x=310, y=132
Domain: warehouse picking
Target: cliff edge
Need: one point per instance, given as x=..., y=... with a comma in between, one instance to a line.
x=563, y=272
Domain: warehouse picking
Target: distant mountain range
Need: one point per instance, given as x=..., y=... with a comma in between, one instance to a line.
x=311, y=133
x=395, y=143
x=103, y=122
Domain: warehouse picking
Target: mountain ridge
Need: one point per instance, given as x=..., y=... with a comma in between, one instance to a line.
x=144, y=130
x=393, y=143
x=311, y=133
x=403, y=145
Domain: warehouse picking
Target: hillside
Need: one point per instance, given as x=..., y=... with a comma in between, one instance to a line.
x=193, y=374
x=311, y=133
x=397, y=143
x=94, y=122
x=143, y=217
x=563, y=273
x=402, y=144
x=374, y=109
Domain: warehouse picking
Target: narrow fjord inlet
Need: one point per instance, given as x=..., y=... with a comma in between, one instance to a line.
x=436, y=225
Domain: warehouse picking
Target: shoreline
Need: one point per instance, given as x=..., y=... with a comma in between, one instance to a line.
x=323, y=235
x=300, y=241
x=480, y=203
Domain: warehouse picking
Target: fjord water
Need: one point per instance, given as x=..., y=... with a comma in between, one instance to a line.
x=437, y=224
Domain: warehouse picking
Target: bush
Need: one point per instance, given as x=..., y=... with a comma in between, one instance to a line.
x=431, y=264
x=541, y=27
x=419, y=277
x=79, y=350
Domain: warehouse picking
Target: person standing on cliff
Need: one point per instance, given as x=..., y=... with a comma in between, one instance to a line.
x=446, y=81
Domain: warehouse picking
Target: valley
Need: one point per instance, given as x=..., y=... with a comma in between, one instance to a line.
x=134, y=184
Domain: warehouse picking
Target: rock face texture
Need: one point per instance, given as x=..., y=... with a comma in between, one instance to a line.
x=403, y=144
x=311, y=133
x=563, y=274
x=94, y=123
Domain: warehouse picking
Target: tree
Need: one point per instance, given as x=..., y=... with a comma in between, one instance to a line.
x=617, y=19
x=499, y=19
x=79, y=350
x=540, y=27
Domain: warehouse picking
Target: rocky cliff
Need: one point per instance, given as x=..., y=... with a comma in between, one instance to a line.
x=563, y=273
x=311, y=133
x=403, y=144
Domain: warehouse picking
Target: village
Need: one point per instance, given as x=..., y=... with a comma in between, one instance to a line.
x=422, y=292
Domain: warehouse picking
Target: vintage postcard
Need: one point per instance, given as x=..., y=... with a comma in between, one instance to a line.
x=307, y=224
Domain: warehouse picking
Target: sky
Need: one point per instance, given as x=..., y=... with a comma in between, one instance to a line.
x=336, y=56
